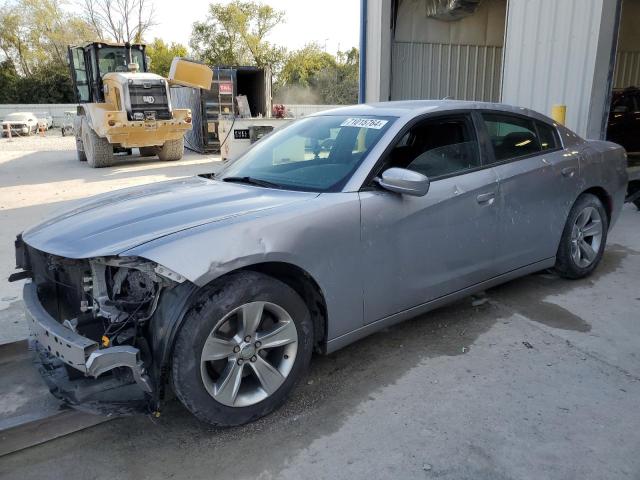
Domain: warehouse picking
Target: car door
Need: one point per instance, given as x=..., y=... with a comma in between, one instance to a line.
x=538, y=183
x=416, y=249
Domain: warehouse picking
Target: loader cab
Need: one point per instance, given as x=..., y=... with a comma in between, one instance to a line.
x=91, y=61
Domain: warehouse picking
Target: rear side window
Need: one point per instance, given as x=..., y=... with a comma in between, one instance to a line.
x=548, y=136
x=511, y=137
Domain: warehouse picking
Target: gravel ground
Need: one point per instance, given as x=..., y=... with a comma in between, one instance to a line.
x=39, y=175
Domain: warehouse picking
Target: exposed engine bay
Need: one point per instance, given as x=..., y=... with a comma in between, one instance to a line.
x=89, y=318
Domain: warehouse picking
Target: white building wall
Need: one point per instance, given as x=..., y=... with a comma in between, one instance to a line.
x=56, y=110
x=378, y=58
x=559, y=52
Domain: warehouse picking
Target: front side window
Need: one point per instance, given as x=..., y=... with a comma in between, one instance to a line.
x=115, y=59
x=80, y=73
x=313, y=154
x=511, y=137
x=437, y=147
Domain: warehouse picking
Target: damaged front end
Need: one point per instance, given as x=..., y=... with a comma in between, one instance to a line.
x=89, y=322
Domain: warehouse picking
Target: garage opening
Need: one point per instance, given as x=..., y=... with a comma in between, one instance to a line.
x=447, y=49
x=623, y=125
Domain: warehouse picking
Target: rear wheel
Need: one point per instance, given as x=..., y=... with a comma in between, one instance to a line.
x=583, y=239
x=171, y=150
x=242, y=348
x=98, y=150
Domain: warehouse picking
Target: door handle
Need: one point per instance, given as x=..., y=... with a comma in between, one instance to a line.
x=568, y=171
x=486, y=198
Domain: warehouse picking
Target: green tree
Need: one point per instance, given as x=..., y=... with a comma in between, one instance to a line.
x=8, y=81
x=339, y=86
x=311, y=75
x=34, y=35
x=302, y=66
x=34, y=32
x=49, y=83
x=235, y=34
x=162, y=54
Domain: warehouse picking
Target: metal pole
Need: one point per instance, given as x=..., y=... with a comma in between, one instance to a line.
x=362, y=81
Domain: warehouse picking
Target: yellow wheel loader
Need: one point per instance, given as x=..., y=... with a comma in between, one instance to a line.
x=122, y=106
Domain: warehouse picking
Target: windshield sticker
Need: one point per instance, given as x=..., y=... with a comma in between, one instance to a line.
x=374, y=123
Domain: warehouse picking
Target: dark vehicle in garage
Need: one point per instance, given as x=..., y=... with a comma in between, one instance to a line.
x=624, y=129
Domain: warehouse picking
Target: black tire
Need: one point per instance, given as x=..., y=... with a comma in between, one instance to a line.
x=216, y=301
x=566, y=266
x=171, y=151
x=98, y=150
x=148, y=151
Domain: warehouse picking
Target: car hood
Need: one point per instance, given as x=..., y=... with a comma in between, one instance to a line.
x=111, y=223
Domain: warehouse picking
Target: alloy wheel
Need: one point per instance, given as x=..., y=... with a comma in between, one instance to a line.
x=249, y=354
x=586, y=237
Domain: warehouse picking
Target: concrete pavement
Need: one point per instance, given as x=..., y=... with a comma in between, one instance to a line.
x=537, y=379
x=41, y=175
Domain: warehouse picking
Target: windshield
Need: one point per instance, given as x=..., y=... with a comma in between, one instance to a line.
x=114, y=59
x=20, y=117
x=314, y=154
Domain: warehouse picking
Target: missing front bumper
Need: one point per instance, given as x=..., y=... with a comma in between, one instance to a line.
x=60, y=343
x=113, y=394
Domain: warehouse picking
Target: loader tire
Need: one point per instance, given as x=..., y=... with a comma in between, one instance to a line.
x=98, y=150
x=171, y=150
x=148, y=151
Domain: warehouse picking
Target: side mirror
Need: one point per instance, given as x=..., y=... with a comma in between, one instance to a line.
x=407, y=182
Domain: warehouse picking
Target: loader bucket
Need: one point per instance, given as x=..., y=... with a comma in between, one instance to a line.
x=190, y=74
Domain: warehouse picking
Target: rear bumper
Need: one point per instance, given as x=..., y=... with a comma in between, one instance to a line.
x=60, y=352
x=144, y=134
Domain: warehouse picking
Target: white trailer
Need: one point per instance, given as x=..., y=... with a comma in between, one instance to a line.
x=238, y=134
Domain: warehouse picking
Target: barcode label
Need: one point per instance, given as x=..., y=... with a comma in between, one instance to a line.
x=374, y=123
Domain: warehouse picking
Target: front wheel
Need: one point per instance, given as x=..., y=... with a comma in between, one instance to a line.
x=171, y=150
x=243, y=346
x=583, y=239
x=98, y=150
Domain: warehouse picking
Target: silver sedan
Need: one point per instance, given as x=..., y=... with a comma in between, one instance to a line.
x=323, y=232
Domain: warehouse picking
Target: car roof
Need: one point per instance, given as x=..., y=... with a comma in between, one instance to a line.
x=402, y=108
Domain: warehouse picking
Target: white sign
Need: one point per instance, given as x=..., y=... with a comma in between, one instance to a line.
x=374, y=123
